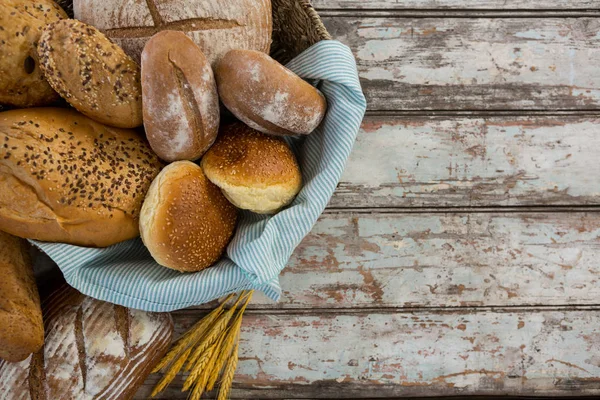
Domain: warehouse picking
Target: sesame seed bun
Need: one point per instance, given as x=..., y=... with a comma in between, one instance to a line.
x=66, y=178
x=186, y=223
x=256, y=172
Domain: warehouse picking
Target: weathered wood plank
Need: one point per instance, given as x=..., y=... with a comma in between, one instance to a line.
x=457, y=4
x=457, y=161
x=549, y=352
x=475, y=64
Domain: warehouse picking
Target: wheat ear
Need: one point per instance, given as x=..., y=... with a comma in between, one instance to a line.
x=173, y=370
x=229, y=373
x=198, y=368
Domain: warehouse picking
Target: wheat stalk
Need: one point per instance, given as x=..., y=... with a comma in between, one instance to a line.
x=228, y=374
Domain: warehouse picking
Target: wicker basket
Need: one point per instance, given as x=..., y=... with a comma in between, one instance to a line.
x=296, y=27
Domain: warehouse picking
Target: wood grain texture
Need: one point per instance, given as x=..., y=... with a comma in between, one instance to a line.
x=548, y=352
x=444, y=260
x=457, y=4
x=475, y=64
x=472, y=161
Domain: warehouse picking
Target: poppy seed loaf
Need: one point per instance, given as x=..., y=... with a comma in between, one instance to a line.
x=66, y=178
x=93, y=74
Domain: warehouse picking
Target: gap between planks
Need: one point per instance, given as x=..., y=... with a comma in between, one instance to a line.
x=467, y=14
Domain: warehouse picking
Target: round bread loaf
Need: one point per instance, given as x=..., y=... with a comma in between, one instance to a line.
x=216, y=26
x=66, y=178
x=186, y=223
x=267, y=96
x=22, y=83
x=93, y=74
x=256, y=172
x=180, y=101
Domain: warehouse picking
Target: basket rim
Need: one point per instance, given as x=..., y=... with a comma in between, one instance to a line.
x=315, y=19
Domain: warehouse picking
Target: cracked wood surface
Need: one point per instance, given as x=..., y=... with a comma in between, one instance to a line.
x=446, y=161
x=457, y=4
x=541, y=352
x=474, y=64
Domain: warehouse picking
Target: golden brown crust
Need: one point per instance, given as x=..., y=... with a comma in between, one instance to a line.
x=180, y=101
x=22, y=83
x=255, y=171
x=66, y=178
x=242, y=156
x=93, y=74
x=21, y=326
x=267, y=96
x=186, y=222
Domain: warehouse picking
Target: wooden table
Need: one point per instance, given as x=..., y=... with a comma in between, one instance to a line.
x=461, y=251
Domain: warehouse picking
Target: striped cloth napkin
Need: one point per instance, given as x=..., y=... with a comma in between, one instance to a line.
x=126, y=274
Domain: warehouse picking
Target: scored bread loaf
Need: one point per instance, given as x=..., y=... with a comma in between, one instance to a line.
x=267, y=96
x=22, y=83
x=180, y=100
x=93, y=74
x=93, y=350
x=21, y=326
x=66, y=178
x=216, y=26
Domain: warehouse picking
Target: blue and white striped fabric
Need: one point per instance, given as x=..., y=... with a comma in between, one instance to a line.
x=126, y=274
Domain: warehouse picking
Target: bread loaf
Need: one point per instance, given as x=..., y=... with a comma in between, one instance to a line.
x=267, y=96
x=216, y=26
x=94, y=350
x=21, y=327
x=22, y=83
x=66, y=178
x=256, y=172
x=180, y=101
x=93, y=74
x=186, y=222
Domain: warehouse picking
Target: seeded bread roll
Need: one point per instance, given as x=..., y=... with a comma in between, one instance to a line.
x=93, y=74
x=256, y=172
x=186, y=222
x=66, y=178
x=21, y=326
x=267, y=96
x=181, y=105
x=22, y=83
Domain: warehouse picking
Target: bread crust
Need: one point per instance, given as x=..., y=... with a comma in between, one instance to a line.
x=267, y=96
x=186, y=222
x=180, y=101
x=21, y=325
x=93, y=74
x=22, y=83
x=66, y=178
x=255, y=171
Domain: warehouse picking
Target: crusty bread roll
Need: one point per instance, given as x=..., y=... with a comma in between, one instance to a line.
x=256, y=172
x=180, y=101
x=66, y=178
x=216, y=26
x=186, y=222
x=93, y=74
x=21, y=326
x=267, y=96
x=94, y=350
x=22, y=83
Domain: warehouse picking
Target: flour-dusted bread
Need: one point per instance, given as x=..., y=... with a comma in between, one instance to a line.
x=267, y=96
x=66, y=178
x=93, y=350
x=21, y=327
x=22, y=83
x=186, y=222
x=93, y=74
x=256, y=172
x=180, y=100
x=216, y=26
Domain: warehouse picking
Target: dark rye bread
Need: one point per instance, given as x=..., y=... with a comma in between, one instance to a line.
x=94, y=350
x=66, y=178
x=92, y=73
x=22, y=83
x=21, y=327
